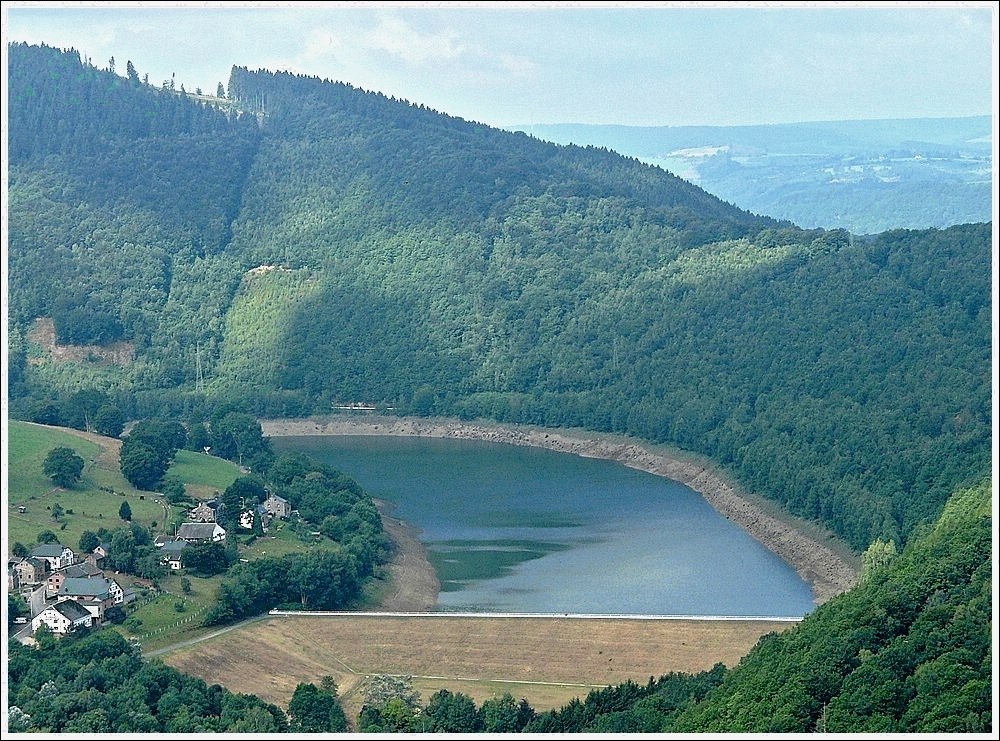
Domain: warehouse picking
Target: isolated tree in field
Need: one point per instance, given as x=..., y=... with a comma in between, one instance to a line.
x=63, y=466
x=47, y=537
x=125, y=512
x=220, y=91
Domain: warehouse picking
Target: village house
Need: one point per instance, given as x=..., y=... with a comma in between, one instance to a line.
x=170, y=553
x=58, y=556
x=55, y=579
x=82, y=570
x=62, y=617
x=95, y=595
x=31, y=571
x=194, y=532
x=205, y=511
x=97, y=556
x=277, y=507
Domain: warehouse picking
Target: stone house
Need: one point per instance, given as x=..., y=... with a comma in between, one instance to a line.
x=204, y=512
x=31, y=570
x=277, y=506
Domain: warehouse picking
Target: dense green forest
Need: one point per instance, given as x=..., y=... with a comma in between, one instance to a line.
x=305, y=243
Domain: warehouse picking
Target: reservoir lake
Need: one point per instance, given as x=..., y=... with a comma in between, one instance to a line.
x=521, y=529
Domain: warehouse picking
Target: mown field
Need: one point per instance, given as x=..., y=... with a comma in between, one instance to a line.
x=548, y=661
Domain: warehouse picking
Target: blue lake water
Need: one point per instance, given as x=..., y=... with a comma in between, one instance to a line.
x=519, y=529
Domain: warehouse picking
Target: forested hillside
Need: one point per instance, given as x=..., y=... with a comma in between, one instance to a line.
x=304, y=243
x=308, y=243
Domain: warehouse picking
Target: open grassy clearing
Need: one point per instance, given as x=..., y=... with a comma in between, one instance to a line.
x=203, y=475
x=88, y=505
x=97, y=496
x=548, y=661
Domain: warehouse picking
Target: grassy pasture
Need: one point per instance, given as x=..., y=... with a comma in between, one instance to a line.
x=86, y=504
x=548, y=661
x=203, y=475
x=92, y=506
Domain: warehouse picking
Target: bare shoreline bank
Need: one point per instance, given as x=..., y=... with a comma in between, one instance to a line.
x=827, y=569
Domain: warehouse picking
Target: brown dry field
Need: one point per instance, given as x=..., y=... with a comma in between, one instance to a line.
x=546, y=660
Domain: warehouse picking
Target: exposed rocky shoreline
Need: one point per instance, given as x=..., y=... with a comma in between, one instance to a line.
x=813, y=553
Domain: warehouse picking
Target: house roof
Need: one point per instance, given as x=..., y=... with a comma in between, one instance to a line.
x=174, y=546
x=276, y=498
x=82, y=570
x=36, y=563
x=70, y=609
x=49, y=550
x=85, y=587
x=198, y=530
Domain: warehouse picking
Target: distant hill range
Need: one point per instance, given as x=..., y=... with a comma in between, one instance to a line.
x=863, y=176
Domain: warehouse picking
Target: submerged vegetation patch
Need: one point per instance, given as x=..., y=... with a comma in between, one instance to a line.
x=458, y=562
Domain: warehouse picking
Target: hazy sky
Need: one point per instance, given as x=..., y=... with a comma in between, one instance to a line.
x=505, y=64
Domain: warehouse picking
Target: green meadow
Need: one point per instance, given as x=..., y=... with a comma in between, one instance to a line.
x=94, y=500
x=203, y=475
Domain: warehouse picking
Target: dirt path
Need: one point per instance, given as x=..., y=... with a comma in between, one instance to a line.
x=110, y=447
x=826, y=564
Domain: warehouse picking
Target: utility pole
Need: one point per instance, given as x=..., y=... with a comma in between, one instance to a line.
x=199, y=379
